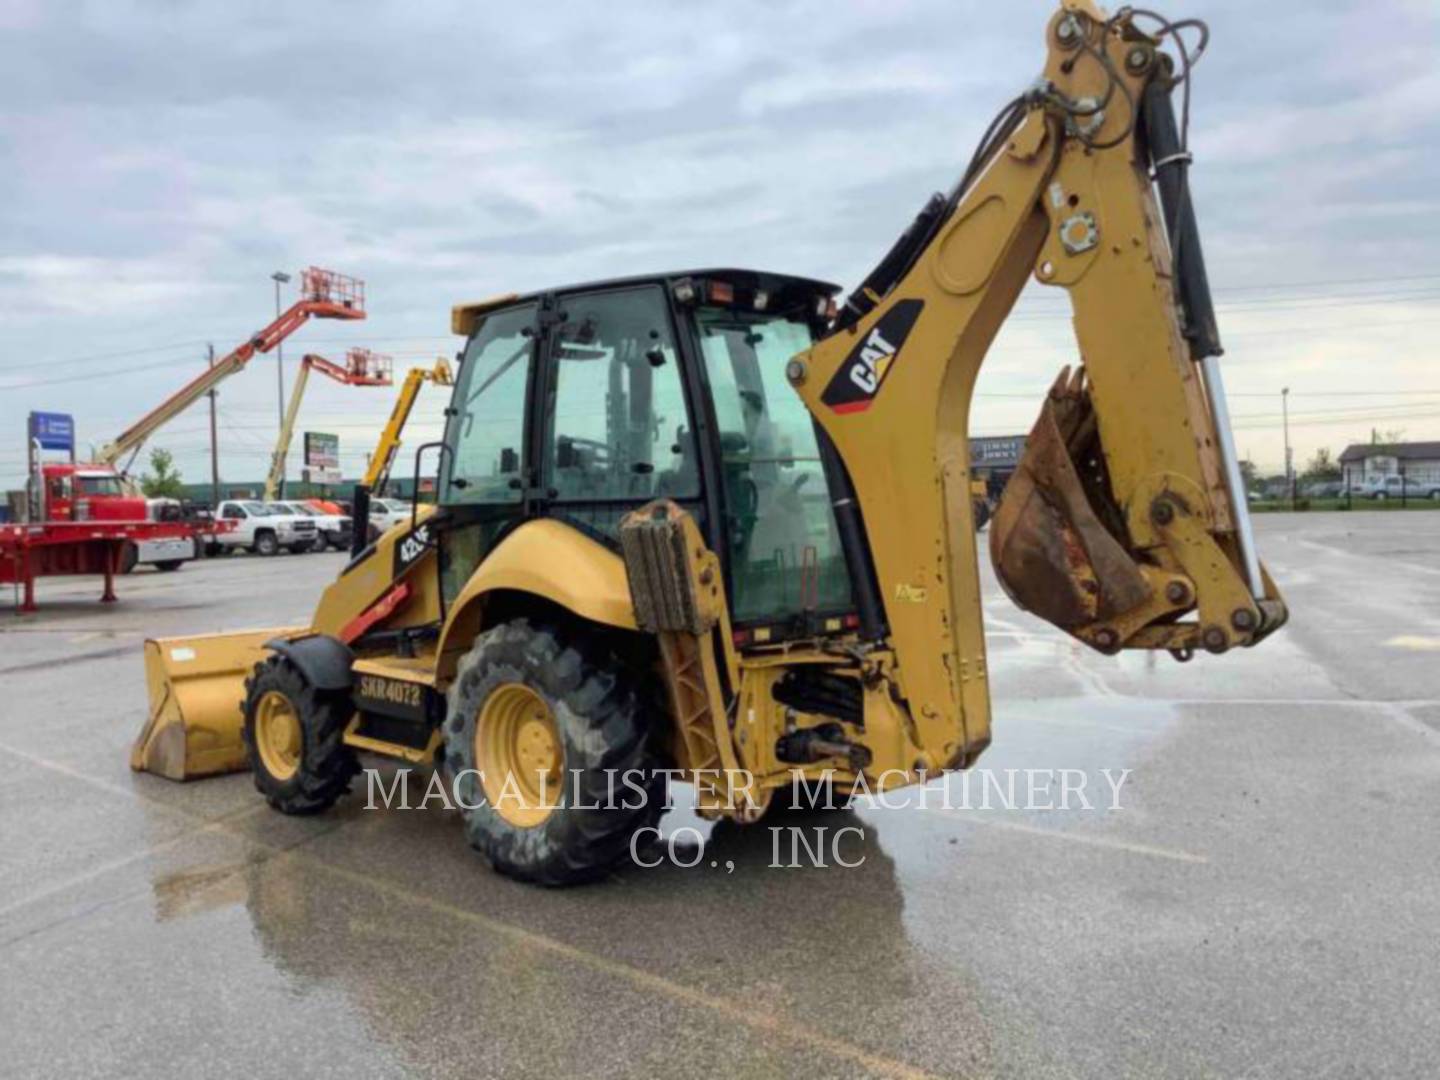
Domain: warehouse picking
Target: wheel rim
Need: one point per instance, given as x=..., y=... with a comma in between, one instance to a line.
x=519, y=754
x=277, y=735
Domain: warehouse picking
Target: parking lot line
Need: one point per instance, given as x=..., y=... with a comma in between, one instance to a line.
x=1094, y=841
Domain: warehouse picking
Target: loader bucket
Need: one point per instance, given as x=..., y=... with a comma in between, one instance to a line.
x=1056, y=538
x=197, y=692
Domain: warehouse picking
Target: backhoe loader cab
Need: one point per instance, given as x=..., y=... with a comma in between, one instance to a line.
x=581, y=405
x=709, y=525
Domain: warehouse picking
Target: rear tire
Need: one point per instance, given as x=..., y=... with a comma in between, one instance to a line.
x=265, y=544
x=298, y=761
x=598, y=724
x=129, y=557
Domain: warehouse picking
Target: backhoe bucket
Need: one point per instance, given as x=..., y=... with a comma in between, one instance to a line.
x=197, y=693
x=1054, y=540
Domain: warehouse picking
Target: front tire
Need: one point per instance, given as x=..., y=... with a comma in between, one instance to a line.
x=548, y=741
x=266, y=544
x=292, y=738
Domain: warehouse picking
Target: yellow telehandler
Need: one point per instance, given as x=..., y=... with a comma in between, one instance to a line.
x=711, y=525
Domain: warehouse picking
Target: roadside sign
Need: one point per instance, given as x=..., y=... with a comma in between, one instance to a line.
x=53, y=431
x=322, y=451
x=1001, y=452
x=320, y=475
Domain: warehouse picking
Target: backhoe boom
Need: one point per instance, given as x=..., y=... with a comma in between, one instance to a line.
x=1122, y=521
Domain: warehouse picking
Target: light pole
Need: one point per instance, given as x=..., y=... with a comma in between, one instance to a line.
x=1289, y=469
x=280, y=278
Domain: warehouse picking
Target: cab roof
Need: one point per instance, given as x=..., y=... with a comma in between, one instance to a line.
x=464, y=317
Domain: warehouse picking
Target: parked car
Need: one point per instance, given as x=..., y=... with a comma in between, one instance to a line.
x=264, y=528
x=334, y=528
x=385, y=514
x=1325, y=489
x=1392, y=487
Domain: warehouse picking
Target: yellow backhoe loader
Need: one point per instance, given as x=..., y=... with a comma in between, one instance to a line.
x=712, y=525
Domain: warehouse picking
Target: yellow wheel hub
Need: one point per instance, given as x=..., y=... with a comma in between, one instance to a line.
x=278, y=740
x=519, y=754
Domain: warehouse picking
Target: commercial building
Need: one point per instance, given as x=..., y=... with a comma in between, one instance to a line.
x=1418, y=462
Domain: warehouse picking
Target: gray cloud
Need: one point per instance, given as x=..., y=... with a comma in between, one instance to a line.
x=158, y=160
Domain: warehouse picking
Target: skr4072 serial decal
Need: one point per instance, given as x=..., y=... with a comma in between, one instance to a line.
x=860, y=377
x=377, y=688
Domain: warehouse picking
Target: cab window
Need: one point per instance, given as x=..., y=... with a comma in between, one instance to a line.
x=617, y=428
x=785, y=553
x=99, y=485
x=488, y=429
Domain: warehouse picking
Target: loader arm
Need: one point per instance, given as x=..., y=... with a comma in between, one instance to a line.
x=1122, y=524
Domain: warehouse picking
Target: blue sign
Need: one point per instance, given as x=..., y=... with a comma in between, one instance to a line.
x=53, y=431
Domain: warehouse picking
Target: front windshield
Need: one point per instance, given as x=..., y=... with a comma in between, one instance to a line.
x=258, y=509
x=99, y=485
x=488, y=426
x=784, y=547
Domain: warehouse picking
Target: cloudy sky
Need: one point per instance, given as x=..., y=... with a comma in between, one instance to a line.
x=160, y=160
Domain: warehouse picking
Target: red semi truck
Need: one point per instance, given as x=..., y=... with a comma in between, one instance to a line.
x=81, y=521
x=97, y=493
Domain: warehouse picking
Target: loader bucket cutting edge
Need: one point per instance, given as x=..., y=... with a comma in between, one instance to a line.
x=197, y=692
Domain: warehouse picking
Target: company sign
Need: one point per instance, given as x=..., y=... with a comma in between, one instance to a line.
x=322, y=451
x=996, y=452
x=53, y=431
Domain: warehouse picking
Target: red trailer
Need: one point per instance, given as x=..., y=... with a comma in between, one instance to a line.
x=55, y=548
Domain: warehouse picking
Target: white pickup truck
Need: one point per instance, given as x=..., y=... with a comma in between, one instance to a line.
x=263, y=528
x=1381, y=488
x=385, y=514
x=334, y=528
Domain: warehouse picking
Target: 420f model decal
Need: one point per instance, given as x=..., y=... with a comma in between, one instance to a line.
x=860, y=377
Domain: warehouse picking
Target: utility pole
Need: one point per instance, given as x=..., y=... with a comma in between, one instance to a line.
x=280, y=278
x=1289, y=468
x=214, y=441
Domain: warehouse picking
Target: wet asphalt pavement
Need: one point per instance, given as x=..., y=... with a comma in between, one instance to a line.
x=1265, y=901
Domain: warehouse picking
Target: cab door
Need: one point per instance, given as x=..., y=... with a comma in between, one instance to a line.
x=486, y=476
x=614, y=427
